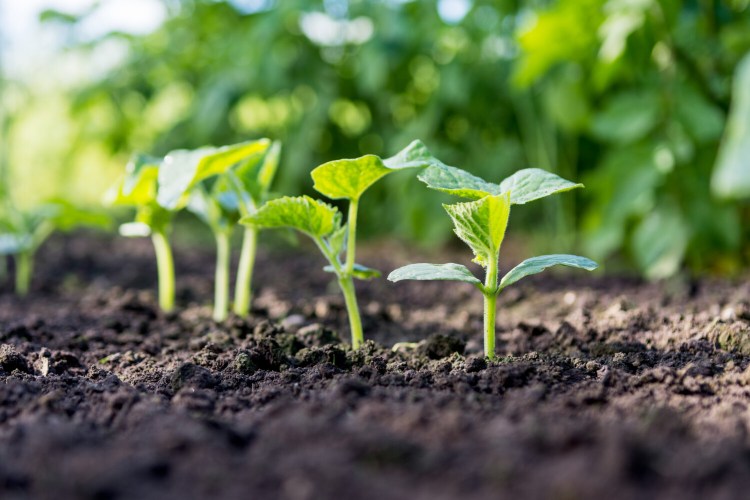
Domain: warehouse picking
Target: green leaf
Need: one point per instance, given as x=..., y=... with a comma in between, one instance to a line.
x=660, y=241
x=438, y=272
x=257, y=173
x=536, y=265
x=457, y=182
x=531, y=184
x=481, y=224
x=139, y=184
x=415, y=155
x=731, y=176
x=627, y=117
x=183, y=169
x=360, y=272
x=303, y=213
x=525, y=185
x=348, y=179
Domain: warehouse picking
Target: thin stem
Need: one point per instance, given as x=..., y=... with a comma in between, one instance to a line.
x=355, y=322
x=24, y=270
x=351, y=241
x=490, y=308
x=221, y=292
x=243, y=288
x=165, y=265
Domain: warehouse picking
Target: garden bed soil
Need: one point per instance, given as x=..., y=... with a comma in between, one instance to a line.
x=605, y=388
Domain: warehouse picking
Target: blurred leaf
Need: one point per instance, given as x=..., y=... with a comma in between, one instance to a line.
x=731, y=177
x=627, y=117
x=531, y=184
x=660, y=241
x=360, y=272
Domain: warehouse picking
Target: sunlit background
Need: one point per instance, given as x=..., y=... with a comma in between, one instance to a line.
x=642, y=100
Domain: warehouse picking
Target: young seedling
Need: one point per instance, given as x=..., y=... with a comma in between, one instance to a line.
x=219, y=185
x=138, y=188
x=339, y=180
x=481, y=225
x=23, y=232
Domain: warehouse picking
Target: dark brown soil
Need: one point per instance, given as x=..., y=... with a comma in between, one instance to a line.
x=606, y=388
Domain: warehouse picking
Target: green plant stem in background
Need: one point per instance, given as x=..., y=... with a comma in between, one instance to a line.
x=221, y=294
x=24, y=270
x=490, y=307
x=165, y=265
x=243, y=288
x=355, y=322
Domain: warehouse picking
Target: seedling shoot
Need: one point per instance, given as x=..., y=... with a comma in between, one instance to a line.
x=481, y=224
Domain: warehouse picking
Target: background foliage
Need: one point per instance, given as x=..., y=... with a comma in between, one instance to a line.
x=630, y=97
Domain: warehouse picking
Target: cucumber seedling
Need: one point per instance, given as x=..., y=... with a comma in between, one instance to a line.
x=346, y=179
x=481, y=224
x=22, y=232
x=138, y=188
x=219, y=185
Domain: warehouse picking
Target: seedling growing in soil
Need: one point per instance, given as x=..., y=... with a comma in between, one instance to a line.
x=23, y=232
x=219, y=185
x=339, y=180
x=138, y=188
x=481, y=225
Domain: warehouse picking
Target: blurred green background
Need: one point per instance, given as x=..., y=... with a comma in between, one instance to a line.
x=631, y=97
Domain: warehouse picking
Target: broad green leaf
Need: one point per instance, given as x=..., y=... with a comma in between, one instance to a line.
x=731, y=176
x=457, y=182
x=360, y=272
x=183, y=169
x=348, y=179
x=438, y=272
x=536, y=265
x=303, y=213
x=415, y=155
x=139, y=184
x=531, y=184
x=481, y=224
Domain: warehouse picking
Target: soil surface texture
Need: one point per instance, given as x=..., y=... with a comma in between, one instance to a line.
x=604, y=388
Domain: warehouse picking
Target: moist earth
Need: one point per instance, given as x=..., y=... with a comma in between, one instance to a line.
x=604, y=388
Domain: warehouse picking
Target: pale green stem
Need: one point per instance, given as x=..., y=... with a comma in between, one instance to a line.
x=24, y=270
x=243, y=288
x=355, y=322
x=165, y=265
x=346, y=281
x=221, y=292
x=490, y=308
x=351, y=242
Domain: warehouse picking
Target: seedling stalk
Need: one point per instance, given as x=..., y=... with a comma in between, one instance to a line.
x=221, y=294
x=165, y=266
x=24, y=270
x=243, y=291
